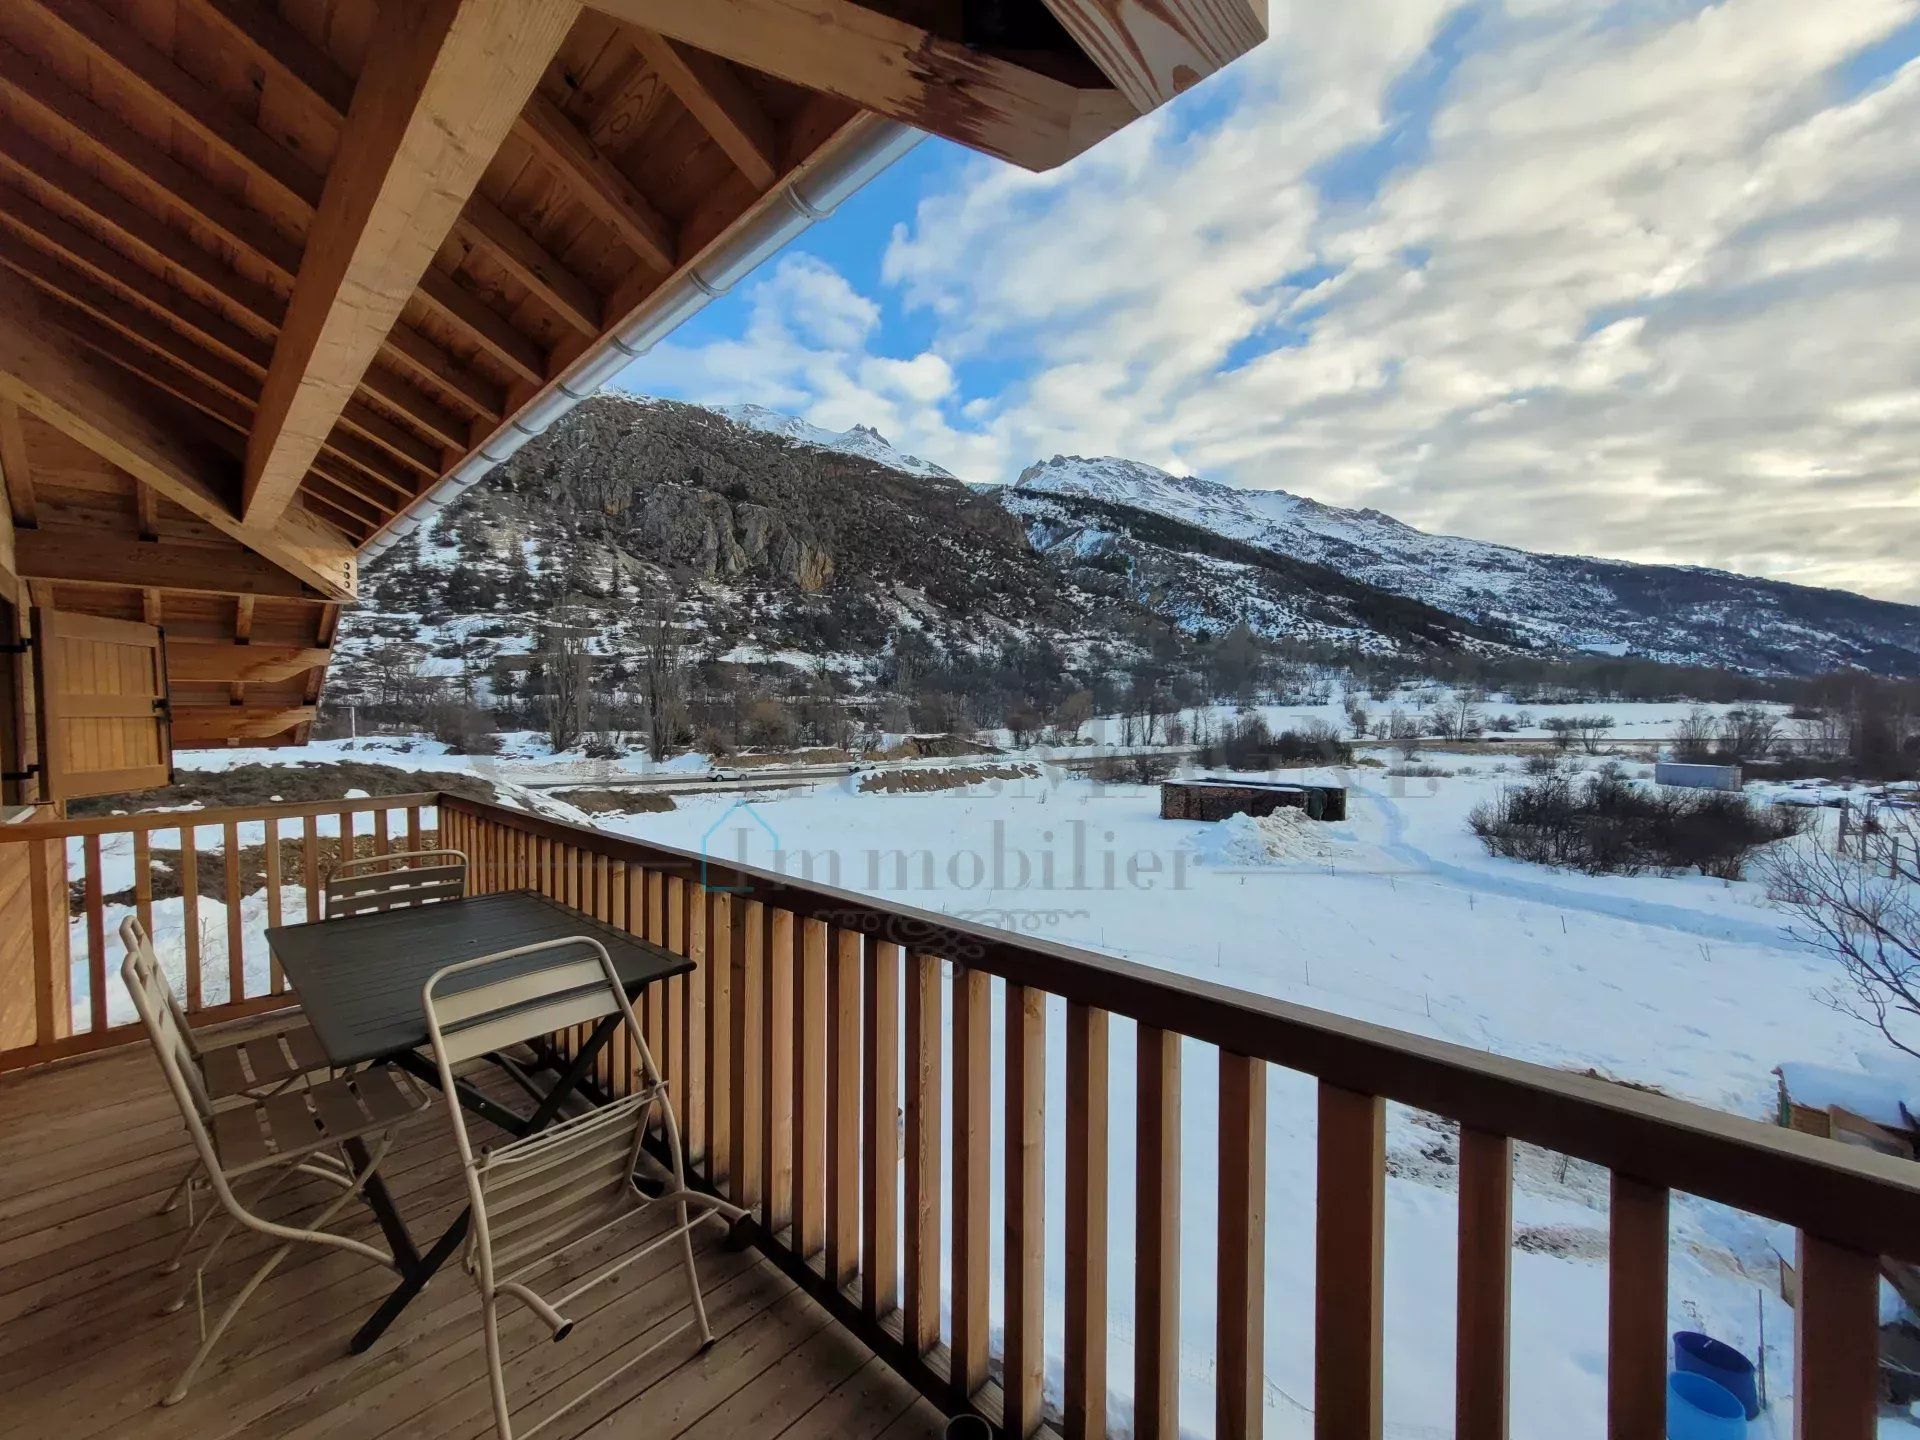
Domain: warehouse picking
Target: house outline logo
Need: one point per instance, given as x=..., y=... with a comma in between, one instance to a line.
x=706, y=838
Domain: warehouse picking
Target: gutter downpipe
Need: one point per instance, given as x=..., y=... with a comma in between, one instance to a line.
x=810, y=195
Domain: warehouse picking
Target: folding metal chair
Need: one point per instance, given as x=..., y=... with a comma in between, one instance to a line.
x=262, y=1143
x=535, y=1198
x=389, y=882
x=236, y=1064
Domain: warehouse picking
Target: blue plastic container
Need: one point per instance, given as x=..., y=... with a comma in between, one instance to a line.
x=1699, y=1354
x=1700, y=1409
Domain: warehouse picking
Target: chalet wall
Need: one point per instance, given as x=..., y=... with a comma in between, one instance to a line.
x=18, y=1015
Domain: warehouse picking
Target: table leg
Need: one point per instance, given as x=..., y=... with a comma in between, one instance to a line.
x=485, y=1106
x=575, y=1076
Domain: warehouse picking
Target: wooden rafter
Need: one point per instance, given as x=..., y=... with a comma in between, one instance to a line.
x=895, y=68
x=146, y=511
x=716, y=96
x=597, y=182
x=47, y=372
x=485, y=224
x=422, y=129
x=15, y=473
x=212, y=663
x=237, y=722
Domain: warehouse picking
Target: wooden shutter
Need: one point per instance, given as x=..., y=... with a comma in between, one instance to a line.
x=104, y=721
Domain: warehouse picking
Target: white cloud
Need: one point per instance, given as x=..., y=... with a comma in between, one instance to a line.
x=1649, y=286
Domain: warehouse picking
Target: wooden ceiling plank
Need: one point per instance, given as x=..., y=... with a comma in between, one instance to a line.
x=112, y=43
x=597, y=182
x=15, y=473
x=79, y=251
x=49, y=373
x=145, y=164
x=412, y=351
x=895, y=68
x=716, y=95
x=282, y=51
x=443, y=84
x=492, y=330
x=163, y=372
x=92, y=559
x=1151, y=52
x=486, y=225
x=29, y=163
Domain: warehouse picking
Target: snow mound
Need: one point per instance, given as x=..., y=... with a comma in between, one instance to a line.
x=1279, y=838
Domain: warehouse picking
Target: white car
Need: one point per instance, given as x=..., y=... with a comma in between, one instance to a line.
x=718, y=774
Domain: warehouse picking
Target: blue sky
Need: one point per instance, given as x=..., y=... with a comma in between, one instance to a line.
x=1636, y=279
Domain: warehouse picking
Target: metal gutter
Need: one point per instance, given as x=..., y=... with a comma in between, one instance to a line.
x=814, y=192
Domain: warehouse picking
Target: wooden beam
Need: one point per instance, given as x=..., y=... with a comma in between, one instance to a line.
x=15, y=473
x=198, y=725
x=46, y=371
x=486, y=225
x=86, y=558
x=443, y=84
x=1154, y=49
x=203, y=663
x=895, y=68
x=283, y=52
x=718, y=98
x=243, y=620
x=146, y=510
x=597, y=182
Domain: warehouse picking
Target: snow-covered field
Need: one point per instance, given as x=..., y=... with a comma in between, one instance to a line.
x=1396, y=916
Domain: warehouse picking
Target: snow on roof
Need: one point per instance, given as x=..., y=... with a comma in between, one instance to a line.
x=1876, y=1091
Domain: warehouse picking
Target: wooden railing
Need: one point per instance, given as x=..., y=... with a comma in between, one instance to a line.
x=807, y=1054
x=781, y=1052
x=57, y=909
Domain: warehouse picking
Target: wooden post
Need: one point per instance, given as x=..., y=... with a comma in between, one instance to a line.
x=776, y=927
x=1026, y=1148
x=809, y=1091
x=880, y=1139
x=843, y=960
x=745, y=930
x=1836, y=1380
x=1241, y=1296
x=1636, y=1310
x=1348, y=1274
x=1484, y=1285
x=972, y=1175
x=1156, y=1279
x=921, y=1326
x=1086, y=1339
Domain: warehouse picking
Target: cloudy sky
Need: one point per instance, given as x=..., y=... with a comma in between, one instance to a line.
x=1638, y=279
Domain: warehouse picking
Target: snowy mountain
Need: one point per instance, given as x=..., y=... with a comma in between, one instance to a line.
x=862, y=440
x=1682, y=614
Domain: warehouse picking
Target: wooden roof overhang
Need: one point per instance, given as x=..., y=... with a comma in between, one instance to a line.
x=270, y=272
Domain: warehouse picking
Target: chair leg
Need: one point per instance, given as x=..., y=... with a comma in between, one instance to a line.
x=172, y=1263
x=180, y=1191
x=496, y=1376
x=693, y=1278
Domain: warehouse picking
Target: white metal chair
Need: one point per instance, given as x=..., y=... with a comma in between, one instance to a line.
x=535, y=1198
x=236, y=1065
x=389, y=882
x=263, y=1142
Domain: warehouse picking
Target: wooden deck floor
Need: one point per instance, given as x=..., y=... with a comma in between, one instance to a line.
x=86, y=1155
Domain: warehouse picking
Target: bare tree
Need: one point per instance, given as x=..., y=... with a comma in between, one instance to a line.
x=1695, y=736
x=1862, y=910
x=664, y=673
x=1592, y=729
x=1404, y=731
x=1748, y=733
x=565, y=657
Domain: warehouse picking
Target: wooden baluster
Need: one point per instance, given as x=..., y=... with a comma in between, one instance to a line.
x=190, y=915
x=1026, y=1149
x=1241, y=1291
x=921, y=1323
x=40, y=858
x=96, y=936
x=274, y=918
x=236, y=929
x=775, y=928
x=1156, y=1278
x=414, y=840
x=843, y=960
x=653, y=1017
x=1348, y=1274
x=809, y=1090
x=626, y=1055
x=716, y=968
x=605, y=1063
x=1636, y=1309
x=377, y=820
x=1086, y=1338
x=1485, y=1285
x=880, y=1136
x=143, y=878
x=736, y=920
x=1836, y=1381
x=344, y=851
x=310, y=864
x=618, y=887
x=687, y=921
x=972, y=1177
